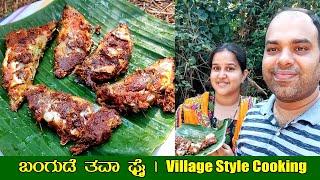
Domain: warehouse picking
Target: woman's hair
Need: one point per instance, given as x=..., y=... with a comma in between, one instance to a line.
x=238, y=51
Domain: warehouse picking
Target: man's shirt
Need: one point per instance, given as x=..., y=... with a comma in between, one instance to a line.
x=261, y=135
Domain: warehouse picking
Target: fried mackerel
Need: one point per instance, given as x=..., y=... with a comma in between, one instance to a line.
x=73, y=118
x=74, y=42
x=184, y=146
x=109, y=59
x=142, y=89
x=25, y=47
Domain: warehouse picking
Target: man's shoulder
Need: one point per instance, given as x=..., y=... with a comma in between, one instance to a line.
x=256, y=108
x=257, y=114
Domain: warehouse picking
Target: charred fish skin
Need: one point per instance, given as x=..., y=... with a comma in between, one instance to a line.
x=139, y=91
x=110, y=59
x=25, y=47
x=73, y=118
x=73, y=43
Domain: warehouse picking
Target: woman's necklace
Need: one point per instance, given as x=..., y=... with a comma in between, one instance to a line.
x=215, y=122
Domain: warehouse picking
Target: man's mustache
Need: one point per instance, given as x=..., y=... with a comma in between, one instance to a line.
x=278, y=70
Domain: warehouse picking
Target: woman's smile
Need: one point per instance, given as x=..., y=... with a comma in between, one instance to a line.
x=222, y=84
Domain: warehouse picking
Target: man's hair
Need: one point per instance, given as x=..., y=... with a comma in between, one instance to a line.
x=314, y=17
x=238, y=51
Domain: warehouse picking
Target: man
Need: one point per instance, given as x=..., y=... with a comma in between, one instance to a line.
x=288, y=123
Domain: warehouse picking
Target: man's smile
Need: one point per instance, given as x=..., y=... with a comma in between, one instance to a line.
x=284, y=75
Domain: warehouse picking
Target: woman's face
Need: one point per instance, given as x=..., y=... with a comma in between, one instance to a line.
x=226, y=75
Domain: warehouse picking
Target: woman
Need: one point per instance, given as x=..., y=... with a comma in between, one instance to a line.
x=228, y=72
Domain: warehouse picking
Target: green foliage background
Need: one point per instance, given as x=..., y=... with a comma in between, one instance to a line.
x=203, y=24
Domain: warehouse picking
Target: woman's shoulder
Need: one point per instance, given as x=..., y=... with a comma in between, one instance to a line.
x=201, y=102
x=199, y=98
x=193, y=110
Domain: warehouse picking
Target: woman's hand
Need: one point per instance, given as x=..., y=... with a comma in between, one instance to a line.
x=224, y=150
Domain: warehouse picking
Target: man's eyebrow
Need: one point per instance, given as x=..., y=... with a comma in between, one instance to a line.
x=295, y=41
x=271, y=42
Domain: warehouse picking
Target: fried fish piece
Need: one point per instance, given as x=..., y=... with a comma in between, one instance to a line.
x=109, y=59
x=185, y=146
x=74, y=42
x=73, y=118
x=182, y=146
x=142, y=89
x=25, y=47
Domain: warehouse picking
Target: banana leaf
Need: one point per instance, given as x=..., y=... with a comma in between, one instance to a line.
x=140, y=134
x=197, y=133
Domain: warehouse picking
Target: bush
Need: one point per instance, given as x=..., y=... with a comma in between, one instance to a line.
x=203, y=24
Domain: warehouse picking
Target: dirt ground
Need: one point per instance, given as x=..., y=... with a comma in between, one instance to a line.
x=163, y=9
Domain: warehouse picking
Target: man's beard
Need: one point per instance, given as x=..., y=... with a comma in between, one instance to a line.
x=286, y=94
x=298, y=90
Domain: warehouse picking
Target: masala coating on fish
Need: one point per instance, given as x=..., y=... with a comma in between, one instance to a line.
x=73, y=118
x=142, y=89
x=25, y=48
x=73, y=42
x=109, y=59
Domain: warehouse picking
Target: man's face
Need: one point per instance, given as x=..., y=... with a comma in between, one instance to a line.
x=290, y=63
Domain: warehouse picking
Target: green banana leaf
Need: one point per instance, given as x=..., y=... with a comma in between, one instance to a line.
x=140, y=134
x=197, y=133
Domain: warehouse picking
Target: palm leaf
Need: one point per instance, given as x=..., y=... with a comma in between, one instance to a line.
x=140, y=134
